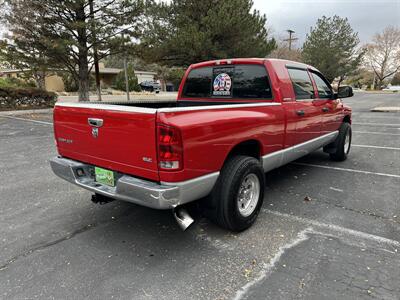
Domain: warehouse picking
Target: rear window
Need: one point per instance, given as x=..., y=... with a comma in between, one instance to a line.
x=198, y=83
x=239, y=81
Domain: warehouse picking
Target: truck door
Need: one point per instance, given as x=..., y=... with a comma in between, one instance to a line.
x=305, y=112
x=330, y=108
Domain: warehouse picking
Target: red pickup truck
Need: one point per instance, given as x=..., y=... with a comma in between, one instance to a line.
x=233, y=120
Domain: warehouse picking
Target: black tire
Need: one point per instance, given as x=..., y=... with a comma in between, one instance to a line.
x=341, y=148
x=223, y=204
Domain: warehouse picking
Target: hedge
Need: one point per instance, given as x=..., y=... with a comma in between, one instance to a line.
x=25, y=98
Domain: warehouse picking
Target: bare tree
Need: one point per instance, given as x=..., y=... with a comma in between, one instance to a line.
x=283, y=52
x=383, y=54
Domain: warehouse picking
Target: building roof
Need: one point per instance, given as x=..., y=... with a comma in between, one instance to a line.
x=6, y=71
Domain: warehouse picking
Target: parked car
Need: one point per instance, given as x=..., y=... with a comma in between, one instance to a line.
x=392, y=88
x=150, y=86
x=233, y=121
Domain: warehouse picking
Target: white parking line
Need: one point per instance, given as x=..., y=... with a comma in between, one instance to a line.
x=376, y=124
x=368, y=118
x=343, y=230
x=376, y=147
x=303, y=236
x=379, y=133
x=346, y=170
x=267, y=268
x=28, y=120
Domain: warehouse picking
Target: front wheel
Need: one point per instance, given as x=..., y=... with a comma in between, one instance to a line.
x=238, y=195
x=342, y=143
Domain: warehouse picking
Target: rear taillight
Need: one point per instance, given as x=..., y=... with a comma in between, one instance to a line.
x=170, y=149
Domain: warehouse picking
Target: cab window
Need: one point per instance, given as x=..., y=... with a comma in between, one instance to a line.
x=324, y=89
x=302, y=85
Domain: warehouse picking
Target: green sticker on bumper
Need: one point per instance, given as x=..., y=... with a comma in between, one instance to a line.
x=104, y=176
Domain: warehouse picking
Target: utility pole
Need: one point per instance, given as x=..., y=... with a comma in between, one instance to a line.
x=373, y=82
x=290, y=39
x=95, y=55
x=126, y=70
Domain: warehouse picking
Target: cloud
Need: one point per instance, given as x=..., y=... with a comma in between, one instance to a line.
x=366, y=17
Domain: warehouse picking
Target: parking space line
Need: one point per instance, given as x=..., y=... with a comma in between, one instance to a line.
x=303, y=236
x=267, y=268
x=337, y=228
x=346, y=170
x=376, y=147
x=377, y=124
x=369, y=118
x=28, y=120
x=379, y=133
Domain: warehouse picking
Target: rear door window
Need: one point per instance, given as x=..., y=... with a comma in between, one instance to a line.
x=240, y=82
x=302, y=85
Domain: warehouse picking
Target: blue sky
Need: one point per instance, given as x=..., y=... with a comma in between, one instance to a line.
x=365, y=16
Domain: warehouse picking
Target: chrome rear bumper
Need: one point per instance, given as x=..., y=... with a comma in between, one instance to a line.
x=128, y=188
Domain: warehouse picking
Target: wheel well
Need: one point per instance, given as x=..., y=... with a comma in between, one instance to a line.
x=347, y=119
x=250, y=148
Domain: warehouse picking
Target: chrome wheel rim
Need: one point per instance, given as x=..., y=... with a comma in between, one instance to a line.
x=248, y=196
x=347, y=142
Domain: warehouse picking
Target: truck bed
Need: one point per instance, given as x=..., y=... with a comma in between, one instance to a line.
x=124, y=139
x=157, y=103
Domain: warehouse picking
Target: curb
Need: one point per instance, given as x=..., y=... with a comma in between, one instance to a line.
x=386, y=109
x=24, y=112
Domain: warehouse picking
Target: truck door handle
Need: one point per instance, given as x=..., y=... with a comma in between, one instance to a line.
x=325, y=109
x=300, y=112
x=95, y=122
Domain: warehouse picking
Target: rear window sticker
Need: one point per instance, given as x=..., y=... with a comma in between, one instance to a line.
x=222, y=85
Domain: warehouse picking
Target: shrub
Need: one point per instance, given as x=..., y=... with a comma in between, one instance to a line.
x=396, y=79
x=13, y=82
x=25, y=98
x=70, y=84
x=119, y=81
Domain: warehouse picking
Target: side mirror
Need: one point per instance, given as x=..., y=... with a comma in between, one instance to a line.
x=345, y=92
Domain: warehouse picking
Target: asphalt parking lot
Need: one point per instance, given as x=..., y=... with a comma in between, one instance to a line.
x=342, y=244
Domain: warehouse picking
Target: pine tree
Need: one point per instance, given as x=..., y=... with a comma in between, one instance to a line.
x=332, y=48
x=186, y=31
x=61, y=35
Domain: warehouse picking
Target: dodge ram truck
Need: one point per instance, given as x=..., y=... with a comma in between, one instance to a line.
x=233, y=120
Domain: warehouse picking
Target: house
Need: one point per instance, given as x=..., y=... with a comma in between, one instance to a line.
x=54, y=82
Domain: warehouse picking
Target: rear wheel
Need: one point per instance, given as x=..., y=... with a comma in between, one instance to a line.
x=238, y=195
x=342, y=143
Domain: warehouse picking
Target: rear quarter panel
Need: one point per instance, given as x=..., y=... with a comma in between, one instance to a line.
x=209, y=135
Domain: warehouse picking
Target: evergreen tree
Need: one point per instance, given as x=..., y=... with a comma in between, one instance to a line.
x=332, y=48
x=182, y=32
x=120, y=83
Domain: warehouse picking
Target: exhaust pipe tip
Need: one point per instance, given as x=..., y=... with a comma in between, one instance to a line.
x=183, y=218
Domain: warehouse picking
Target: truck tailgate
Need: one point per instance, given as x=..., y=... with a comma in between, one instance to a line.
x=118, y=139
